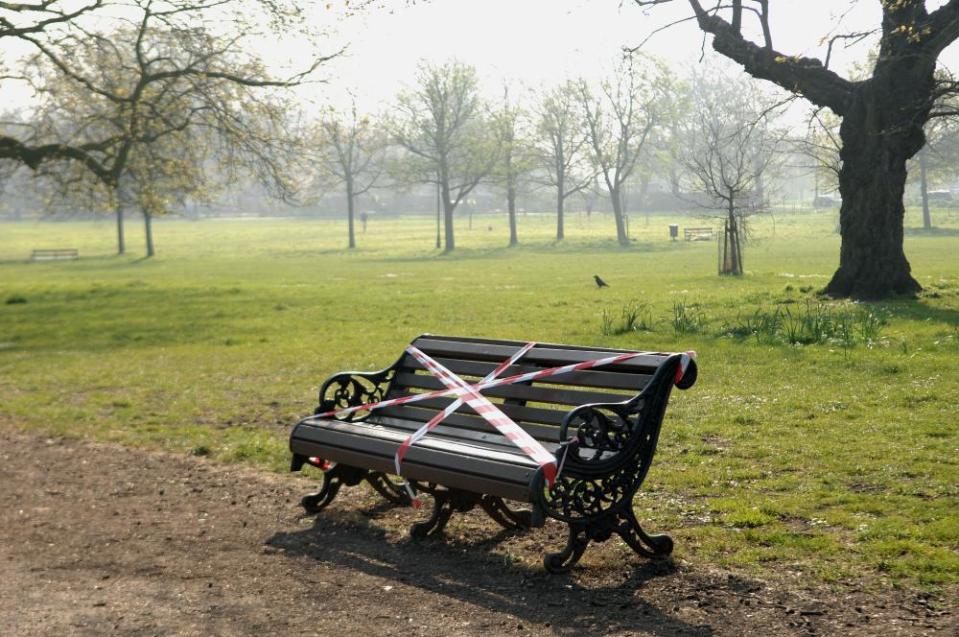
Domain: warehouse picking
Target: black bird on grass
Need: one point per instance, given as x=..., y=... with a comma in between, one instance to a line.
x=599, y=282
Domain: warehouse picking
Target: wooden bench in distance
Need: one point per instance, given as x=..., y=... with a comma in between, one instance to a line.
x=699, y=234
x=609, y=416
x=46, y=254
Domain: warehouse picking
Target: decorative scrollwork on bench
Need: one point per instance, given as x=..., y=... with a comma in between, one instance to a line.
x=609, y=450
x=352, y=389
x=600, y=433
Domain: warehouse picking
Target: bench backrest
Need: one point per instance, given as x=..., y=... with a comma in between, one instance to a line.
x=538, y=407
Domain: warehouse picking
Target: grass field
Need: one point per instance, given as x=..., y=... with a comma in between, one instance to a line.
x=836, y=458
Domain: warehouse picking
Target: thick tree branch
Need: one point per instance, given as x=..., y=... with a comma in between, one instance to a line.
x=943, y=26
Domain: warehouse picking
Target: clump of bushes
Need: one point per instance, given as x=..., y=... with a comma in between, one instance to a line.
x=15, y=299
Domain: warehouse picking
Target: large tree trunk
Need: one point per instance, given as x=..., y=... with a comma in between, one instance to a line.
x=511, y=208
x=148, y=229
x=924, y=190
x=879, y=134
x=350, y=213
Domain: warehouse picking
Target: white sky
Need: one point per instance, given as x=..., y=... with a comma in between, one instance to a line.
x=544, y=41
x=531, y=42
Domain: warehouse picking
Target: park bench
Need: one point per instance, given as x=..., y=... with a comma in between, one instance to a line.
x=43, y=254
x=699, y=234
x=600, y=424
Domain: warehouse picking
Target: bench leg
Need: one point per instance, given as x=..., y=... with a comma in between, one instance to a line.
x=313, y=503
x=333, y=479
x=566, y=559
x=623, y=522
x=446, y=502
x=442, y=512
x=506, y=517
x=651, y=546
x=390, y=490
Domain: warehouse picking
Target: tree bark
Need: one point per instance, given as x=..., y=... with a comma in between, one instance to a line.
x=148, y=229
x=511, y=208
x=614, y=196
x=924, y=190
x=448, y=207
x=879, y=134
x=560, y=213
x=121, y=242
x=350, y=213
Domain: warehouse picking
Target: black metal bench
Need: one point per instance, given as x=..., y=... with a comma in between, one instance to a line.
x=602, y=424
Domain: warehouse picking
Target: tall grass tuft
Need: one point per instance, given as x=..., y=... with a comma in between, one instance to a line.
x=634, y=317
x=811, y=324
x=688, y=318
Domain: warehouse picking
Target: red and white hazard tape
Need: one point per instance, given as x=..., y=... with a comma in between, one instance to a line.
x=453, y=406
x=469, y=394
x=491, y=413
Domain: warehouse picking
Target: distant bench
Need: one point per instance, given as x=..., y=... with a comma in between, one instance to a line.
x=699, y=234
x=44, y=254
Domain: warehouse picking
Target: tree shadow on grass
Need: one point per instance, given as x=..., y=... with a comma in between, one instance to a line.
x=931, y=232
x=917, y=310
x=470, y=573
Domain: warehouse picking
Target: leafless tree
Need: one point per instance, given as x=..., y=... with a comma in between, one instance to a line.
x=55, y=28
x=350, y=151
x=562, y=147
x=442, y=126
x=619, y=117
x=517, y=158
x=730, y=144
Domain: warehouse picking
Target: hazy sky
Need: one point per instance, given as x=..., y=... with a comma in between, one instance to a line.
x=544, y=41
x=533, y=42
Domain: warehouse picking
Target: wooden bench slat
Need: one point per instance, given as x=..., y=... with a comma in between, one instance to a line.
x=455, y=430
x=393, y=437
x=531, y=393
x=551, y=418
x=467, y=422
x=634, y=382
x=548, y=357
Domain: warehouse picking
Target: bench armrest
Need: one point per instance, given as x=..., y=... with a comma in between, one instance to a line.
x=601, y=436
x=352, y=389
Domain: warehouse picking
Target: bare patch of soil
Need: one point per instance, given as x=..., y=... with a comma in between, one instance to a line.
x=102, y=540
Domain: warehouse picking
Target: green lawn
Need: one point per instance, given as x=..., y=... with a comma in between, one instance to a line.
x=837, y=459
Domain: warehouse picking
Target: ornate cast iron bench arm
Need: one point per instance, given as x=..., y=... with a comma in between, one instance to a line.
x=609, y=450
x=352, y=389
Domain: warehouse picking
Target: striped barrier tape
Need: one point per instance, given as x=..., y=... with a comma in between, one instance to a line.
x=438, y=418
x=469, y=394
x=491, y=413
x=498, y=382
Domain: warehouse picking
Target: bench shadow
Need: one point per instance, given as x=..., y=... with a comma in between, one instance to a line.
x=471, y=574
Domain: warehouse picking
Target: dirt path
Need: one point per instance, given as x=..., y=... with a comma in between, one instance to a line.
x=100, y=540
